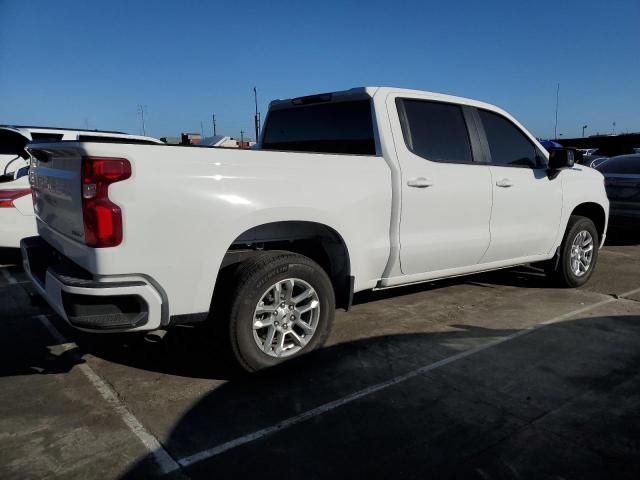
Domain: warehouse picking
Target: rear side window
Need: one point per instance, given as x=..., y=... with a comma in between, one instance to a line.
x=46, y=137
x=629, y=164
x=508, y=145
x=340, y=127
x=435, y=131
x=101, y=139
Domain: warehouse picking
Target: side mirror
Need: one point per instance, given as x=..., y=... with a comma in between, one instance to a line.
x=560, y=158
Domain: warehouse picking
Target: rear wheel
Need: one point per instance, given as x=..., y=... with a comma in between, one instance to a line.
x=281, y=306
x=578, y=253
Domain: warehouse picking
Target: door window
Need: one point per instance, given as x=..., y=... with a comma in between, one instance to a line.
x=434, y=130
x=46, y=137
x=508, y=145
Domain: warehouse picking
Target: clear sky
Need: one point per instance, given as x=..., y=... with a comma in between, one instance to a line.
x=77, y=63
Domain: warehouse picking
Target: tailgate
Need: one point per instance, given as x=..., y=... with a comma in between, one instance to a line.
x=56, y=186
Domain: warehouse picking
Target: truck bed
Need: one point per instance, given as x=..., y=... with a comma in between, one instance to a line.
x=182, y=208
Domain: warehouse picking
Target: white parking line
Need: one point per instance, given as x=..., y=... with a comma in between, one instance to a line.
x=165, y=461
x=327, y=407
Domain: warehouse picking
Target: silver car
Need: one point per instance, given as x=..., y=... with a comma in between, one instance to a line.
x=622, y=182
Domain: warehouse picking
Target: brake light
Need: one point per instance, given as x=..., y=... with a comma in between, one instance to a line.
x=7, y=197
x=102, y=217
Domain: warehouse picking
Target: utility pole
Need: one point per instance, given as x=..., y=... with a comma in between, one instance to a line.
x=241, y=138
x=583, y=128
x=141, y=113
x=614, y=128
x=213, y=116
x=201, y=130
x=557, y=101
x=257, y=116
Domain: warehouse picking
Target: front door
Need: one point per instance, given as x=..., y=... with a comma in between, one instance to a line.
x=446, y=192
x=527, y=202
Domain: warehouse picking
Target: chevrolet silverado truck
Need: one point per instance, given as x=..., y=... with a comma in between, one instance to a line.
x=369, y=188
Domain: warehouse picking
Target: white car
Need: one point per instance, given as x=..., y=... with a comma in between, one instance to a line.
x=16, y=212
x=369, y=188
x=17, y=220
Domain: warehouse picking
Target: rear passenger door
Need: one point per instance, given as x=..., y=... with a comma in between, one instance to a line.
x=527, y=202
x=446, y=192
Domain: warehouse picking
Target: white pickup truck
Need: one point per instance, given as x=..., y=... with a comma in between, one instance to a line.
x=368, y=188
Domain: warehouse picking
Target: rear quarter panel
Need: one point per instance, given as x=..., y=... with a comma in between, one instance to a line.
x=183, y=207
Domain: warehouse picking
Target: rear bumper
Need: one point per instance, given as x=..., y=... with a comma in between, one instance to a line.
x=107, y=304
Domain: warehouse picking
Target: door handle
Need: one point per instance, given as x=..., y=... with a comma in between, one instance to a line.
x=505, y=183
x=420, y=182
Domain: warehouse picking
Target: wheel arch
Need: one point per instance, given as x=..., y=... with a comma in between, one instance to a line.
x=320, y=242
x=596, y=213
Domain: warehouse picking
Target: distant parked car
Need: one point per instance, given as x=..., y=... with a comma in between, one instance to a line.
x=598, y=155
x=588, y=151
x=16, y=207
x=622, y=182
x=594, y=162
x=594, y=156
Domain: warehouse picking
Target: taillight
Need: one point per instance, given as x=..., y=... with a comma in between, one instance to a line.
x=102, y=217
x=7, y=197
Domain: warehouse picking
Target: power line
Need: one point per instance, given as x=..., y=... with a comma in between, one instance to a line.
x=141, y=113
x=257, y=116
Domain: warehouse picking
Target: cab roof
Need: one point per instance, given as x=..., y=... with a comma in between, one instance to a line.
x=372, y=92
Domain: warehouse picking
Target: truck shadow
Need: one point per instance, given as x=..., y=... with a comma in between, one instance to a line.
x=194, y=351
x=185, y=352
x=559, y=402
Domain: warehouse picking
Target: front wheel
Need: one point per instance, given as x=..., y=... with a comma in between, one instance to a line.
x=282, y=306
x=578, y=253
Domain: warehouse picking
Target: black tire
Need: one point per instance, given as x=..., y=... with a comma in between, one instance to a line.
x=559, y=269
x=248, y=282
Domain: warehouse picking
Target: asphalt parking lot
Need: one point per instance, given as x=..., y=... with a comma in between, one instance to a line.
x=492, y=376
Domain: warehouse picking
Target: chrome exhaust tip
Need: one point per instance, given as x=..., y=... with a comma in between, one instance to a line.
x=155, y=336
